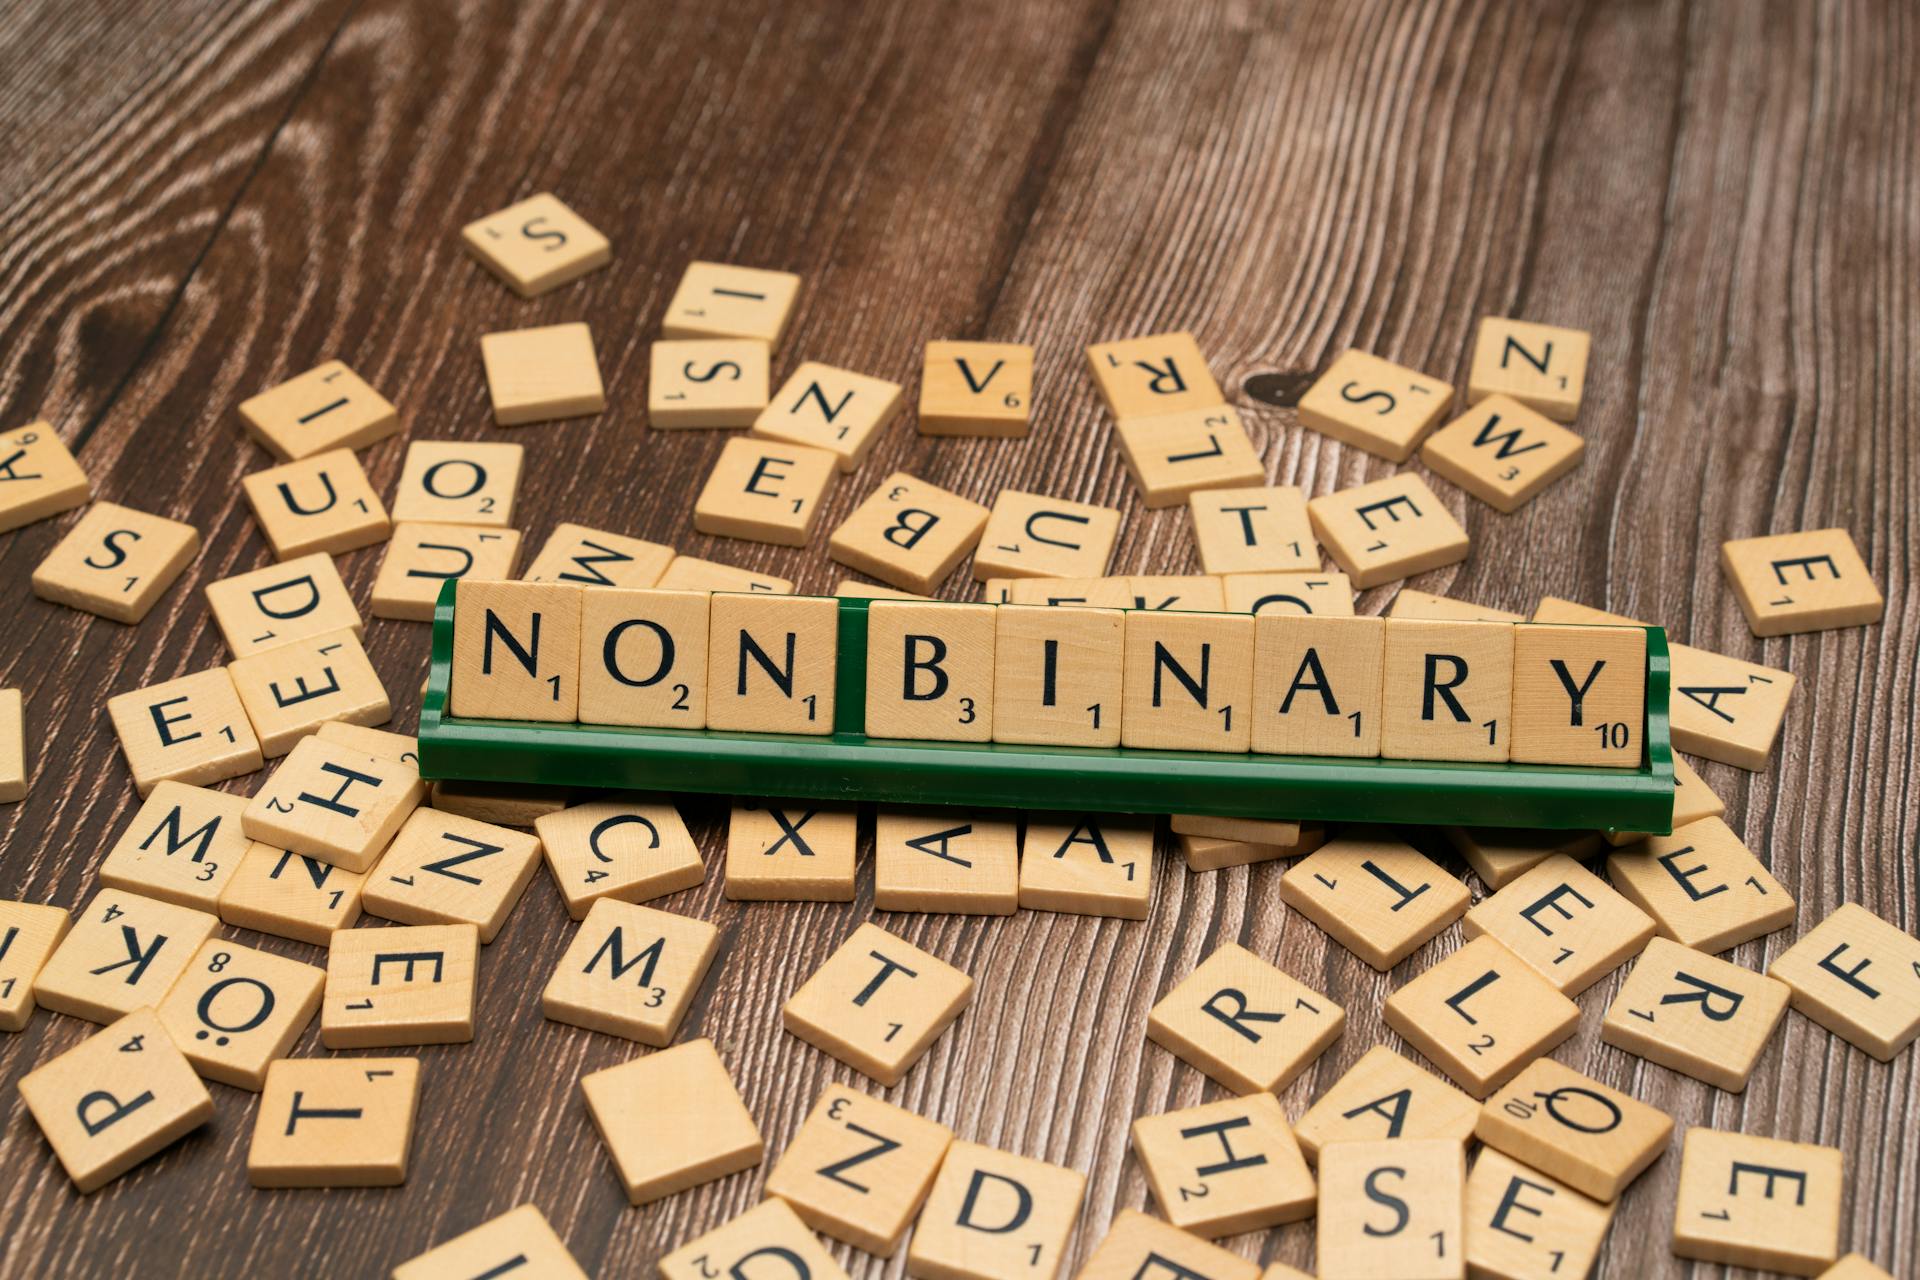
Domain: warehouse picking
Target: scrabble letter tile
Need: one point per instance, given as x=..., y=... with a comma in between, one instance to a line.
x=1316, y=685
x=235, y=1010
x=1702, y=887
x=716, y=300
x=38, y=477
x=1758, y=1202
x=1566, y=922
x=976, y=389
x=1146, y=377
x=123, y=953
x=518, y=1238
x=995, y=1216
x=1379, y=898
x=1501, y=855
x=1171, y=455
x=1857, y=976
x=116, y=562
x=1137, y=1245
x=1481, y=1015
x=536, y=245
x=291, y=895
x=183, y=846
x=282, y=603
x=1793, y=582
x=1212, y=853
x=1522, y=1224
x=1057, y=675
x=1541, y=366
x=29, y=932
x=420, y=557
x=667, y=956
x=1595, y=1139
x=341, y=1122
x=671, y=1120
x=791, y=853
x=712, y=382
x=1725, y=709
x=1326, y=595
x=290, y=691
x=1385, y=1096
x=400, y=986
x=837, y=410
x=322, y=503
x=1244, y=1023
x=334, y=803
x=1447, y=691
x=445, y=869
x=768, y=1231
x=1695, y=1014
x=1579, y=695
x=593, y=558
x=190, y=730
x=764, y=491
x=1502, y=452
x=627, y=848
x=458, y=482
x=539, y=375
x=1089, y=864
x=1388, y=529
x=859, y=1169
x=1031, y=536
x=908, y=533
x=516, y=651
x=877, y=1004
x=945, y=860
x=1374, y=404
x=1189, y=681
x=1391, y=1209
x=643, y=657
x=771, y=663
x=1226, y=1167
x=326, y=408
x=930, y=670
x=1253, y=530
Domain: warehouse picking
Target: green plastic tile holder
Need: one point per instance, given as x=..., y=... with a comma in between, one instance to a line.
x=846, y=765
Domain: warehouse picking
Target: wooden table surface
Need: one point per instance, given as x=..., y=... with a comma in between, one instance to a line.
x=198, y=200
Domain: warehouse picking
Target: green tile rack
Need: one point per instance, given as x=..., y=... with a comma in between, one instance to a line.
x=846, y=765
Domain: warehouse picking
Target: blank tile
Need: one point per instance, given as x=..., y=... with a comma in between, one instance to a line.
x=1225, y=1167
x=859, y=1168
x=930, y=670
x=1317, y=685
x=1145, y=377
x=1789, y=583
x=711, y=382
x=1137, y=1245
x=1171, y=455
x=1579, y=695
x=718, y=300
x=628, y=848
x=333, y=802
x=764, y=491
x=1259, y=529
x=1522, y=1223
x=38, y=477
x=1542, y=366
x=235, y=1010
x=1088, y=864
x=1594, y=1138
x=458, y=482
x=1328, y=595
x=518, y=1237
x=1695, y=1014
x=1379, y=898
x=183, y=846
x=769, y=1230
x=116, y=562
x=1374, y=404
x=1029, y=535
x=908, y=533
x=1859, y=977
x=585, y=557
x=29, y=932
x=1481, y=1015
x=1387, y=529
x=124, y=952
x=1502, y=452
x=1382, y=1096
x=1057, y=675
x=1391, y=1209
x=877, y=1004
x=643, y=657
x=516, y=651
x=291, y=895
x=539, y=375
x=401, y=985
x=322, y=503
x=994, y=1214
x=1188, y=681
x=335, y=1122
x=536, y=245
x=1447, y=691
x=945, y=860
x=1702, y=887
x=771, y=663
x=1752, y=1201
x=1566, y=922
x=1244, y=1022
x=631, y=971
x=671, y=1120
x=800, y=852
x=445, y=869
x=837, y=410
x=290, y=691
x=976, y=389
x=422, y=557
x=265, y=608
x=191, y=729
x=325, y=408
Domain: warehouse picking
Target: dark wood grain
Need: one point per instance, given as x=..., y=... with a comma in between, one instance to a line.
x=198, y=200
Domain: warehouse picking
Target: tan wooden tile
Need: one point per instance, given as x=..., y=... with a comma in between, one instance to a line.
x=1171, y=455
x=516, y=651
x=1481, y=1015
x=334, y=803
x=708, y=382
x=591, y=988
x=769, y=1230
x=908, y=533
x=837, y=410
x=542, y=374
x=1702, y=887
x=124, y=952
x=290, y=691
x=1057, y=675
x=1188, y=681
x=502, y=804
x=1225, y=1167
x=38, y=477
x=718, y=300
x=1211, y=853
x=1788, y=583
x=236, y=1009
x=1391, y=1209
x=1501, y=855
x=1090, y=864
x=854, y=589
x=575, y=554
x=420, y=557
x=1387, y=529
x=671, y=1120
x=771, y=663
x=1258, y=529
x=116, y=1098
x=799, y=852
x=1447, y=691
x=401, y=747
x=1522, y=1223
x=1146, y=377
x=1758, y=1202
x=29, y=932
x=1693, y=800
x=322, y=503
x=13, y=747
x=191, y=729
x=1859, y=977
x=341, y=1122
x=536, y=245
x=1251, y=830
x=1317, y=685
x=945, y=860
x=1245, y=1023
x=1695, y=1013
x=1595, y=1139
x=1137, y=1245
x=1855, y=1266
x=1091, y=593
x=445, y=869
x=1542, y=366
x=1281, y=1271
x=1566, y=922
x=517, y=1238
x=291, y=895
x=327, y=407
x=1032, y=536
x=1379, y=898
x=116, y=562
x=643, y=657
x=1000, y=590
x=401, y=985
x=626, y=848
x=993, y=1215
x=930, y=671
x=1579, y=695
x=1502, y=452
x=183, y=846
x=1383, y=1096
x=1375, y=404
x=976, y=389
x=877, y=1004
x=859, y=1168
x=1408, y=603
x=1175, y=593
x=1327, y=595
x=282, y=603
x=458, y=482
x=764, y=491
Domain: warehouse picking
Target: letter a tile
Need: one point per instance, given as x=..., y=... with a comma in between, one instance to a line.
x=1090, y=864
x=1385, y=1096
x=945, y=860
x=38, y=477
x=1245, y=1023
x=878, y=1003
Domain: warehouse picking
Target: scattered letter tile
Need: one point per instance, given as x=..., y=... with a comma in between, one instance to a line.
x=458, y=482
x=799, y=852
x=976, y=389
x=859, y=1169
x=335, y=1122
x=29, y=932
x=711, y=382
x=322, y=503
x=1088, y=864
x=291, y=895
x=764, y=491
x=1566, y=922
x=1032, y=536
x=1379, y=898
x=1388, y=529
x=1695, y=1014
x=1857, y=976
x=1541, y=366
x=235, y=1010
x=1245, y=1023
x=1522, y=1223
x=1481, y=1015
x=1225, y=1167
x=716, y=300
x=191, y=730
x=183, y=846
x=837, y=410
x=517, y=1238
x=1793, y=582
x=1595, y=1139
x=116, y=562
x=1375, y=404
x=536, y=245
x=334, y=803
x=1502, y=452
x=1758, y=1202
x=666, y=955
x=1253, y=530
x=877, y=1004
x=123, y=953
x=1171, y=455
x=538, y=375
x=445, y=869
x=1145, y=377
x=1381, y=1096
x=995, y=1216
x=282, y=603
x=628, y=848
x=290, y=691
x=1702, y=887
x=326, y=408
x=38, y=477
x=908, y=533
x=1391, y=1209
x=400, y=986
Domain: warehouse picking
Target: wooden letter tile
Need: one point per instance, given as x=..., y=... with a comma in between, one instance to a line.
x=1541, y=366
x=877, y=1004
x=518, y=1238
x=995, y=1216
x=1326, y=595
x=596, y=984
x=1758, y=1202
x=1316, y=685
x=1391, y=1209
x=1092, y=865
x=38, y=477
x=1579, y=695
x=13, y=747
x=1374, y=404
x=671, y=1120
x=1379, y=898
x=1188, y=681
x=1251, y=830
x=1225, y=1167
x=791, y=853
x=976, y=389
x=1695, y=1014
x=764, y=491
x=1501, y=855
x=1146, y=377
x=1481, y=1015
x=1447, y=691
x=536, y=245
x=116, y=562
x=123, y=953
x=516, y=651
x=1253, y=530
x=587, y=557
x=859, y=1169
x=282, y=603
x=711, y=382
x=183, y=846
x=1057, y=675
x=1702, y=887
x=1502, y=452
x=1594, y=1139
x=771, y=663
x=643, y=657
x=1566, y=922
x=190, y=730
x=1857, y=976
x=837, y=410
x=291, y=691
x=1381, y=1096
x=323, y=503
x=1855, y=1266
x=458, y=482
x=1523, y=1224
x=291, y=895
x=1171, y=455
x=446, y=869
x=1212, y=853
x=1031, y=536
x=769, y=1230
x=539, y=375
x=400, y=986
x=326, y=408
x=341, y=1122
x=930, y=670
x=1138, y=1245
x=334, y=803
x=1388, y=529
x=1091, y=593
x=420, y=557
x=1793, y=582
x=945, y=860
x=908, y=533
x=628, y=848
x=29, y=932
x=716, y=300
x=116, y=1098
x=1408, y=603
x=236, y=1009
x=1184, y=592
x=1245, y=1023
